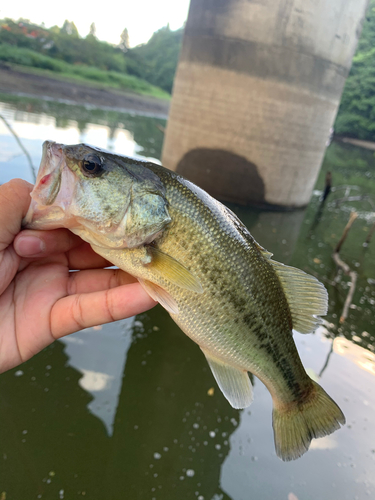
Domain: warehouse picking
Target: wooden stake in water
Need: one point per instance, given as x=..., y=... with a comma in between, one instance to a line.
x=342, y=265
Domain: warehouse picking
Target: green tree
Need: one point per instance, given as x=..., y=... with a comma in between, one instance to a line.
x=92, y=31
x=69, y=28
x=124, y=41
x=356, y=115
x=156, y=61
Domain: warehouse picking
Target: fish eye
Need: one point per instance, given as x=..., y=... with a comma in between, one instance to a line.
x=91, y=165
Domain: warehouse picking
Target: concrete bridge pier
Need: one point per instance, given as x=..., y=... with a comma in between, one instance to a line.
x=256, y=92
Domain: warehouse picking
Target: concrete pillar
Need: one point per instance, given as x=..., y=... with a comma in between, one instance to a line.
x=256, y=92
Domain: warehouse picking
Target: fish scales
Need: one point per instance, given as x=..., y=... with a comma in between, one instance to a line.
x=247, y=333
x=197, y=259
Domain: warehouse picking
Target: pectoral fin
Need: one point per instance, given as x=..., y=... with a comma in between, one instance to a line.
x=160, y=295
x=173, y=271
x=233, y=382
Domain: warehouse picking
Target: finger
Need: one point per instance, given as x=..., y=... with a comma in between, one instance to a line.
x=97, y=279
x=84, y=257
x=39, y=244
x=30, y=243
x=14, y=202
x=79, y=311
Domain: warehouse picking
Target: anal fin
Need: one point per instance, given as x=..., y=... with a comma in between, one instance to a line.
x=233, y=382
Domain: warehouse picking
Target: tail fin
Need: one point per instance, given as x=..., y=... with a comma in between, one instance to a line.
x=296, y=427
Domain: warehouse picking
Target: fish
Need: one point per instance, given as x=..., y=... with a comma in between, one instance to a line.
x=198, y=260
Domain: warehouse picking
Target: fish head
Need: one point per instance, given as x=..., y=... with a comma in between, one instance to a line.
x=109, y=200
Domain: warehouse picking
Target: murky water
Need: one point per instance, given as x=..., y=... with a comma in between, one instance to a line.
x=131, y=410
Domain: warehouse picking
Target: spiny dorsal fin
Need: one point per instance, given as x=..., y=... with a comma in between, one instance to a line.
x=173, y=271
x=233, y=382
x=265, y=252
x=307, y=297
x=160, y=295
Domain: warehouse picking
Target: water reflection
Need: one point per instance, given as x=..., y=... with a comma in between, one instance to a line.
x=37, y=121
x=132, y=410
x=170, y=436
x=49, y=440
x=100, y=355
x=249, y=455
x=361, y=357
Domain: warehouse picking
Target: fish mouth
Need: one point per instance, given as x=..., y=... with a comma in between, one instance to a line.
x=42, y=214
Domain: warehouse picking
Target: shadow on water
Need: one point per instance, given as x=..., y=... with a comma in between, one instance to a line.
x=170, y=436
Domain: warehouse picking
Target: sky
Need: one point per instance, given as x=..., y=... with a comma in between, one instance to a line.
x=140, y=17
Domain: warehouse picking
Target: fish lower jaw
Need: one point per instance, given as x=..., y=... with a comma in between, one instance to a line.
x=40, y=217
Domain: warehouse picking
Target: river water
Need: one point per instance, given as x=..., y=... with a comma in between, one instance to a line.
x=131, y=411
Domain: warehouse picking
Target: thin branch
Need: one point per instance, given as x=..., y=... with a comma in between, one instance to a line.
x=352, y=218
x=346, y=187
x=338, y=201
x=349, y=299
x=21, y=146
x=327, y=360
x=342, y=265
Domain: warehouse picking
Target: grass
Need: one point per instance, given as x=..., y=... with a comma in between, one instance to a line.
x=45, y=65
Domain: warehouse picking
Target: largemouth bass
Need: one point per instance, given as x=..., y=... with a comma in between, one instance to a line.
x=197, y=259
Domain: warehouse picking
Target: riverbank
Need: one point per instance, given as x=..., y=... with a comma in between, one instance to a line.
x=18, y=82
x=358, y=142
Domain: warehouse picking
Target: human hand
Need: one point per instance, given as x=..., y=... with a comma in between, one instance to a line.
x=40, y=300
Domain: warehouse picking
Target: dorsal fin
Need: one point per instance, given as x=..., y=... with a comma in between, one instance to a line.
x=306, y=296
x=263, y=251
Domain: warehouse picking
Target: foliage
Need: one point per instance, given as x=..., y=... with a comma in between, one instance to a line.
x=69, y=28
x=156, y=61
x=30, y=58
x=124, y=41
x=356, y=116
x=63, y=44
x=92, y=30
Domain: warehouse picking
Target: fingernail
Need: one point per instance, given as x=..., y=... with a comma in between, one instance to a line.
x=29, y=246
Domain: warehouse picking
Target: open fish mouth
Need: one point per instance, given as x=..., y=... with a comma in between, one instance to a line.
x=51, y=187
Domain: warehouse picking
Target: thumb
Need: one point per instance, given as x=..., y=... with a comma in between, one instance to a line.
x=14, y=202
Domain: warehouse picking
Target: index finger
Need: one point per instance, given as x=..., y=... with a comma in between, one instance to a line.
x=75, y=312
x=14, y=203
x=79, y=254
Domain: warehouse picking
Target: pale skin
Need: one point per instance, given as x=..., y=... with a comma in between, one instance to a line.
x=40, y=299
